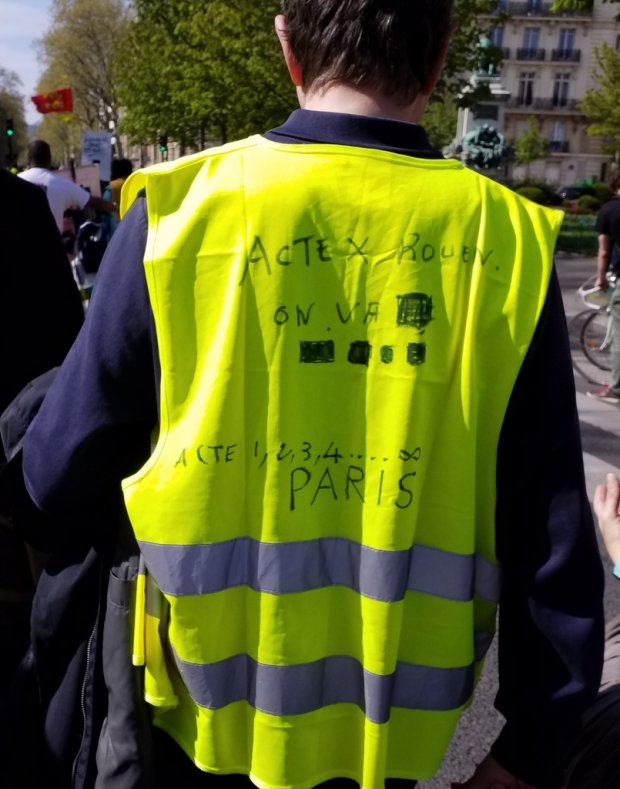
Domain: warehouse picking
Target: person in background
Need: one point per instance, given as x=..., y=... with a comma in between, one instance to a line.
x=62, y=193
x=608, y=228
x=120, y=171
x=354, y=355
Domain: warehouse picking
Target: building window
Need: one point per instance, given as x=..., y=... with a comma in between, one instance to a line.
x=567, y=39
x=496, y=36
x=531, y=37
x=526, y=88
x=557, y=141
x=558, y=131
x=561, y=89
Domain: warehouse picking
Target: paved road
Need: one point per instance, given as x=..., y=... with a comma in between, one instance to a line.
x=600, y=427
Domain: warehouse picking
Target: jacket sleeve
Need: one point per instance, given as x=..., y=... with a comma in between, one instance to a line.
x=551, y=611
x=99, y=413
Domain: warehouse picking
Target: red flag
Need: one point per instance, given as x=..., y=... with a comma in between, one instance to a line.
x=60, y=100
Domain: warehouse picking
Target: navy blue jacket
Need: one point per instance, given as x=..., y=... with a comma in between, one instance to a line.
x=96, y=421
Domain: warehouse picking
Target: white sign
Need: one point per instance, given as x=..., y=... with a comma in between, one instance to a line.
x=86, y=176
x=97, y=149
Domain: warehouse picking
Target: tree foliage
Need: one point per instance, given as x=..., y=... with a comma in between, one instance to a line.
x=196, y=70
x=11, y=108
x=440, y=121
x=471, y=19
x=578, y=5
x=79, y=51
x=531, y=145
x=601, y=105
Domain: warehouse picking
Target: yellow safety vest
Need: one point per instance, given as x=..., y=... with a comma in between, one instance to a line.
x=339, y=331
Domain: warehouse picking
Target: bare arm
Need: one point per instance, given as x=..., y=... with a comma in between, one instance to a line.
x=602, y=261
x=99, y=204
x=607, y=511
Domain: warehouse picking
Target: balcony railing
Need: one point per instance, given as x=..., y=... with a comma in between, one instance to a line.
x=554, y=105
x=534, y=8
x=555, y=146
x=566, y=55
x=557, y=104
x=524, y=53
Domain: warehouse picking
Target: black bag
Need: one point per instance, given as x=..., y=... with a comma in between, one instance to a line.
x=91, y=243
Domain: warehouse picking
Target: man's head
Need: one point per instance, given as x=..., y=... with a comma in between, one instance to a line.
x=393, y=47
x=121, y=168
x=614, y=180
x=39, y=154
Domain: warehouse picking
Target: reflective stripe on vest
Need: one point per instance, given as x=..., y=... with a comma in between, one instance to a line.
x=339, y=332
x=300, y=566
x=295, y=690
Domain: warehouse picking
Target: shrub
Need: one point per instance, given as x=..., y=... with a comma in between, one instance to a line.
x=602, y=192
x=550, y=197
x=533, y=193
x=577, y=235
x=588, y=203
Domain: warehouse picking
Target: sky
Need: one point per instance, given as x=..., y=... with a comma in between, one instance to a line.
x=22, y=22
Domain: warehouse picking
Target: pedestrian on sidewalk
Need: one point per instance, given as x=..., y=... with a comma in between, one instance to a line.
x=62, y=193
x=608, y=262
x=354, y=357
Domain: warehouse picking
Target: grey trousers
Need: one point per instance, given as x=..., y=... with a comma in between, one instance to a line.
x=614, y=381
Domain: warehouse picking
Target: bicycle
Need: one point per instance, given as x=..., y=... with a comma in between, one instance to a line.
x=590, y=332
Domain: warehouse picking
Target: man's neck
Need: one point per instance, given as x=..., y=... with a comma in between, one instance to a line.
x=354, y=100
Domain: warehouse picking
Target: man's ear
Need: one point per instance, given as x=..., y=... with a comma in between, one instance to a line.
x=294, y=69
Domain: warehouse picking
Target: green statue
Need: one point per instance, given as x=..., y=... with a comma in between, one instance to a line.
x=485, y=147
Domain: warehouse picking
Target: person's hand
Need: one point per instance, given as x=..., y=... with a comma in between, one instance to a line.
x=607, y=511
x=490, y=775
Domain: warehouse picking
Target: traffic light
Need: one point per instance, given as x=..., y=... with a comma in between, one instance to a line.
x=10, y=131
x=163, y=144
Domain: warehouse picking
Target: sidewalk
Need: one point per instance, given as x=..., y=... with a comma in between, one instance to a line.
x=600, y=429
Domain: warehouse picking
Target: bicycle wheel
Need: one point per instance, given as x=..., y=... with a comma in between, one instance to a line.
x=582, y=365
x=596, y=339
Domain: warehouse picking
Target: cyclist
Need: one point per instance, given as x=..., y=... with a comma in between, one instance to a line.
x=608, y=228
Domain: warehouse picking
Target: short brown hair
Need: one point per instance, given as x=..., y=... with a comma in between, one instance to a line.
x=391, y=46
x=614, y=180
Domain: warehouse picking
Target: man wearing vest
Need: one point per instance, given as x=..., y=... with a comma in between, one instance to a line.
x=366, y=436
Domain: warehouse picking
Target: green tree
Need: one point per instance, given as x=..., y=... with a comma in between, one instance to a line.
x=78, y=51
x=11, y=108
x=471, y=19
x=601, y=104
x=198, y=70
x=574, y=5
x=577, y=5
x=530, y=146
x=440, y=121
